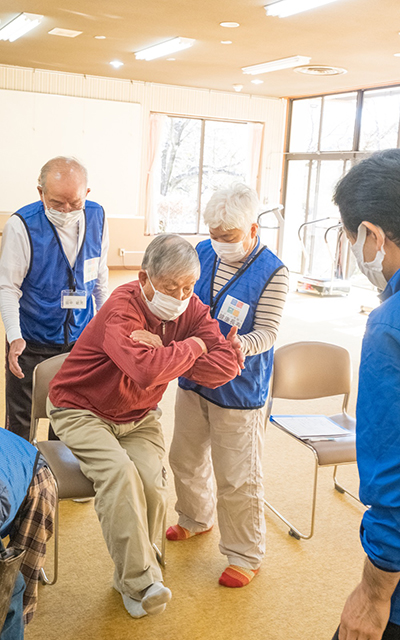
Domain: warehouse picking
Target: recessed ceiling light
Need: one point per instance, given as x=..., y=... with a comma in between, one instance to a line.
x=116, y=64
x=163, y=49
x=397, y=55
x=258, y=81
x=65, y=33
x=100, y=37
x=229, y=25
x=226, y=41
x=171, y=59
x=237, y=87
x=276, y=65
x=19, y=26
x=285, y=8
x=320, y=70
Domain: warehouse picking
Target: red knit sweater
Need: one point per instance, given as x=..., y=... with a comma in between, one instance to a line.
x=121, y=380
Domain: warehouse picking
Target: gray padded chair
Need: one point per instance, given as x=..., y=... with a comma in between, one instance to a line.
x=69, y=479
x=308, y=370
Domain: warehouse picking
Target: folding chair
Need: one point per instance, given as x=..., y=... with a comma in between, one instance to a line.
x=70, y=482
x=308, y=370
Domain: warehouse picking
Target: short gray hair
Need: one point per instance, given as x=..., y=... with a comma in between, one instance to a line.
x=63, y=165
x=234, y=208
x=170, y=255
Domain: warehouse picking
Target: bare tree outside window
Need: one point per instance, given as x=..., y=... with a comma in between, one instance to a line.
x=197, y=157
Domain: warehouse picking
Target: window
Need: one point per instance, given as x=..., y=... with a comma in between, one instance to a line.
x=380, y=119
x=194, y=158
x=328, y=134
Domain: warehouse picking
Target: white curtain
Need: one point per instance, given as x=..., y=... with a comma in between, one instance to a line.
x=255, y=135
x=155, y=134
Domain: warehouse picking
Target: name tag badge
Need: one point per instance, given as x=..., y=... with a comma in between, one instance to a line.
x=73, y=299
x=91, y=269
x=233, y=312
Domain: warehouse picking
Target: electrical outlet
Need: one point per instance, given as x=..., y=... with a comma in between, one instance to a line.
x=121, y=252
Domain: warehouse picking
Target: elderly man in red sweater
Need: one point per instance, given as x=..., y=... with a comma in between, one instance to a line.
x=103, y=405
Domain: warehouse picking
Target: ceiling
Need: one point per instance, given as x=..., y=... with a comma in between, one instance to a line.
x=360, y=35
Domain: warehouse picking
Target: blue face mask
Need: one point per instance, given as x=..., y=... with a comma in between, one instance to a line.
x=163, y=306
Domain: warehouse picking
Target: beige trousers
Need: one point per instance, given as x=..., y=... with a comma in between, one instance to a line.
x=229, y=442
x=124, y=462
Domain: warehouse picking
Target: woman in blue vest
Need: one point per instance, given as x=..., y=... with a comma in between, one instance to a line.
x=221, y=430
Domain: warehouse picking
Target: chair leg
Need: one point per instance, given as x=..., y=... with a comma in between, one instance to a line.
x=340, y=488
x=43, y=576
x=293, y=531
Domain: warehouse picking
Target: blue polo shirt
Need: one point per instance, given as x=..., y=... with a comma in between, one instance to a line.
x=378, y=435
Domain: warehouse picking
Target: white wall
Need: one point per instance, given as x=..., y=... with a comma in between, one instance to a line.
x=105, y=123
x=104, y=135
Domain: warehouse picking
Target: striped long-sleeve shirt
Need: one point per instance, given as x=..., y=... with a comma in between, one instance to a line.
x=269, y=309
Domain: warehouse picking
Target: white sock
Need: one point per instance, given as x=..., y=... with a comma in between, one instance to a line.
x=133, y=607
x=155, y=598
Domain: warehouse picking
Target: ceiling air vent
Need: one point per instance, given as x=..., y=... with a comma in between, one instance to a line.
x=319, y=70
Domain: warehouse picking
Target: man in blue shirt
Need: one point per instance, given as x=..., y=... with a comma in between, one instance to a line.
x=369, y=202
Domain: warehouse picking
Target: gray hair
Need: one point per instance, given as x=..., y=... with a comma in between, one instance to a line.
x=170, y=255
x=63, y=165
x=234, y=208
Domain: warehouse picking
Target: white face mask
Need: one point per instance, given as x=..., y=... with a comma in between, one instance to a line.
x=372, y=270
x=60, y=219
x=229, y=251
x=165, y=307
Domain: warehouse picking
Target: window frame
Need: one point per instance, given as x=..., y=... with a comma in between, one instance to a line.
x=355, y=154
x=203, y=120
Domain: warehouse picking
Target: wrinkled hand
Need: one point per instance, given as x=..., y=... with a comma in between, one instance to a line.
x=16, y=348
x=363, y=618
x=201, y=343
x=237, y=345
x=147, y=338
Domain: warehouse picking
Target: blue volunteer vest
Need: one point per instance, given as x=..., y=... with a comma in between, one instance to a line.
x=41, y=317
x=17, y=466
x=250, y=389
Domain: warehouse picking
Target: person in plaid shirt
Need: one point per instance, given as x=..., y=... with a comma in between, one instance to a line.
x=27, y=507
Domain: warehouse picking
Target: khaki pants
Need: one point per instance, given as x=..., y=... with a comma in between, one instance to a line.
x=206, y=438
x=124, y=462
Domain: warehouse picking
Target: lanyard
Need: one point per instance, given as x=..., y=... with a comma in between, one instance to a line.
x=72, y=270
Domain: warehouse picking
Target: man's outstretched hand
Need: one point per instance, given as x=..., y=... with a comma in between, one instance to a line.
x=16, y=348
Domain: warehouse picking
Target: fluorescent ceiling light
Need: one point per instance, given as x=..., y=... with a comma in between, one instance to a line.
x=229, y=25
x=165, y=48
x=64, y=33
x=276, y=65
x=116, y=64
x=258, y=81
x=237, y=87
x=285, y=8
x=20, y=26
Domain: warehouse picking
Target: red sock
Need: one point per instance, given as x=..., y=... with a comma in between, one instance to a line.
x=235, y=576
x=176, y=532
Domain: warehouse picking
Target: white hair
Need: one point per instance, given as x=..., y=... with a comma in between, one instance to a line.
x=234, y=208
x=62, y=165
x=170, y=255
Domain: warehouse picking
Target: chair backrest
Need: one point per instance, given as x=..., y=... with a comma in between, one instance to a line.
x=43, y=374
x=306, y=370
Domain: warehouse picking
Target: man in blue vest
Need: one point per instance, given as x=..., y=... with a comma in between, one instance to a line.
x=27, y=506
x=53, y=268
x=221, y=429
x=369, y=203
